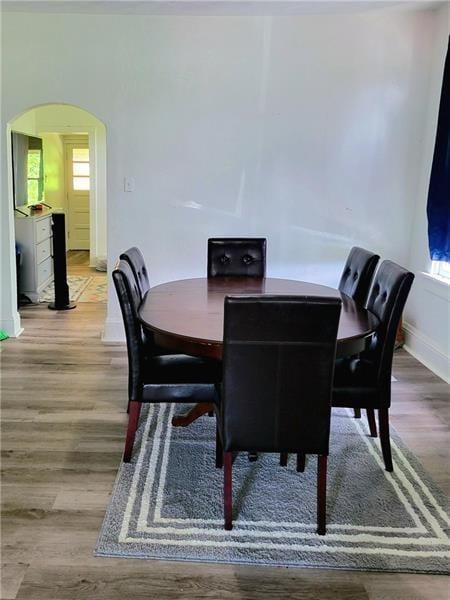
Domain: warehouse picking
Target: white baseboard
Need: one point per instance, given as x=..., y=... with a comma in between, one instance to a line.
x=113, y=332
x=11, y=326
x=422, y=347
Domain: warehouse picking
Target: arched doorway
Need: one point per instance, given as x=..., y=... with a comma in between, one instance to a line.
x=68, y=134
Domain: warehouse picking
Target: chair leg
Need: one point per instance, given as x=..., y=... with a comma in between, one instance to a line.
x=322, y=495
x=300, y=463
x=219, y=450
x=283, y=459
x=371, y=420
x=227, y=489
x=133, y=420
x=383, y=422
x=357, y=412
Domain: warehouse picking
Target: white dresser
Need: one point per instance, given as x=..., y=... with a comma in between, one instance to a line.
x=34, y=237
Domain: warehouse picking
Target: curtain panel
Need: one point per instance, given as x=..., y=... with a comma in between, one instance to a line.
x=438, y=207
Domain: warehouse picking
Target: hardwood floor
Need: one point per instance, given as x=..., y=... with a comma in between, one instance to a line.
x=78, y=258
x=78, y=264
x=63, y=428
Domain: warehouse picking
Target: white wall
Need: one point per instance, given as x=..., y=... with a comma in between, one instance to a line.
x=427, y=318
x=9, y=317
x=304, y=129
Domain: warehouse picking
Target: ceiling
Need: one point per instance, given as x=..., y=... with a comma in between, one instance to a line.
x=213, y=7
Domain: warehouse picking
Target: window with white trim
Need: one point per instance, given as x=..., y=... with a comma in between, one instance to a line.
x=441, y=268
x=80, y=169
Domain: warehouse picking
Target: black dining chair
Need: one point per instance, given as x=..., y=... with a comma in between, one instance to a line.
x=134, y=257
x=278, y=363
x=355, y=282
x=236, y=257
x=357, y=275
x=175, y=378
x=365, y=381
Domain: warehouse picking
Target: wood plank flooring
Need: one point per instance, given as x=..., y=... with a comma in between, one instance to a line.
x=78, y=265
x=63, y=426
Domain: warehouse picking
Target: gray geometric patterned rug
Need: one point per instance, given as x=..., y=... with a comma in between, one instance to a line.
x=167, y=503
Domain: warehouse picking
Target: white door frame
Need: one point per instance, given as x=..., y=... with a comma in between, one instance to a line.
x=10, y=318
x=70, y=142
x=97, y=200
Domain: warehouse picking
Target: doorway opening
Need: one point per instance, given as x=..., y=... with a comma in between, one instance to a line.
x=77, y=188
x=73, y=143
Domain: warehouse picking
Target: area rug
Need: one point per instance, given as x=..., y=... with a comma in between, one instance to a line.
x=76, y=286
x=96, y=291
x=167, y=504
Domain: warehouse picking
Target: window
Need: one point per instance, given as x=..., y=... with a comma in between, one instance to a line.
x=441, y=268
x=80, y=169
x=33, y=176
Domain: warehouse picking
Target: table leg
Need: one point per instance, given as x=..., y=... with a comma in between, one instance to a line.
x=192, y=415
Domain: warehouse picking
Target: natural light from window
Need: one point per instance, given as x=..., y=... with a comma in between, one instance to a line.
x=80, y=169
x=33, y=175
x=441, y=268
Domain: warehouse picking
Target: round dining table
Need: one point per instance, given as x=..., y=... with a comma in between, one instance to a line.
x=186, y=316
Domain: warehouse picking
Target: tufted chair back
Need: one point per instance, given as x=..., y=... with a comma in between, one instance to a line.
x=135, y=259
x=128, y=294
x=357, y=274
x=232, y=257
x=387, y=300
x=278, y=365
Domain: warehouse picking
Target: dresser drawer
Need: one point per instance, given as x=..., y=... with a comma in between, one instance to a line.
x=43, y=250
x=44, y=271
x=43, y=229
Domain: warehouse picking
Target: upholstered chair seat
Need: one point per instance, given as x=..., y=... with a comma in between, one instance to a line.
x=179, y=369
x=358, y=371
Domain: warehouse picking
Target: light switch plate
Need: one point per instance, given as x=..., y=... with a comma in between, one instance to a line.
x=128, y=184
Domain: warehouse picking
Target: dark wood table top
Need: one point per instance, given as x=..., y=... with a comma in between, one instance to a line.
x=187, y=315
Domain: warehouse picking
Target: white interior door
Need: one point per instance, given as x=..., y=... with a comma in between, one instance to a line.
x=78, y=185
